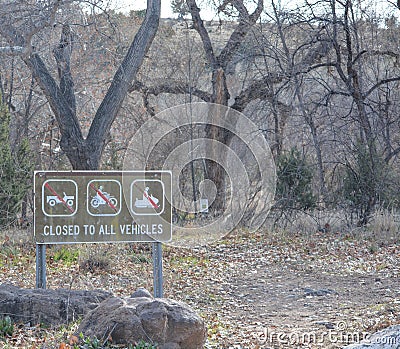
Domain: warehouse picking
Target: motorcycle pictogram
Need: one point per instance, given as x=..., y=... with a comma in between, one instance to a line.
x=103, y=198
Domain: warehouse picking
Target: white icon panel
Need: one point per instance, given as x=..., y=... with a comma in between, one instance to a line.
x=143, y=201
x=104, y=197
x=59, y=197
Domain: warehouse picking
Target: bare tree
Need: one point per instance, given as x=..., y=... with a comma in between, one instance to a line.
x=218, y=64
x=19, y=32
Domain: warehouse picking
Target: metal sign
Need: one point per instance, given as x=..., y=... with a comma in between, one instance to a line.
x=204, y=205
x=102, y=206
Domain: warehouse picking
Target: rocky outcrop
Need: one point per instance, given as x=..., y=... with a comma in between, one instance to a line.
x=51, y=307
x=170, y=324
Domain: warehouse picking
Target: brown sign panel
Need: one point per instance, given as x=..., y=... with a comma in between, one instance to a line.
x=102, y=206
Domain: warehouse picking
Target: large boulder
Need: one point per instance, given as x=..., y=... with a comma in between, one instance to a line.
x=388, y=338
x=51, y=307
x=170, y=324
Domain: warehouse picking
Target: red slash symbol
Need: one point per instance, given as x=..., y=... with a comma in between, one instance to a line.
x=47, y=185
x=148, y=197
x=99, y=192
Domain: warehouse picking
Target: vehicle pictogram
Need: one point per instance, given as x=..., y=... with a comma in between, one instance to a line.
x=67, y=200
x=59, y=198
x=103, y=197
x=147, y=197
x=148, y=201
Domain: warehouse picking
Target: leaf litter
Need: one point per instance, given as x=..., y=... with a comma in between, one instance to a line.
x=253, y=290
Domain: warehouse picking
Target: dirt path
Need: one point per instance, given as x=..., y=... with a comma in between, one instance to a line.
x=285, y=295
x=254, y=291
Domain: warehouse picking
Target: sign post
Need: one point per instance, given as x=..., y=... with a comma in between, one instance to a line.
x=157, y=270
x=40, y=266
x=100, y=207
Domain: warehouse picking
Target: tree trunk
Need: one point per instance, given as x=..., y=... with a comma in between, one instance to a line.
x=85, y=154
x=218, y=64
x=214, y=171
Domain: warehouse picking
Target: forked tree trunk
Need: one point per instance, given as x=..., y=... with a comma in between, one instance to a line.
x=220, y=95
x=85, y=154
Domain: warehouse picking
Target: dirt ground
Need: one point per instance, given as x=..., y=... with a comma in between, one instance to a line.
x=259, y=290
x=320, y=291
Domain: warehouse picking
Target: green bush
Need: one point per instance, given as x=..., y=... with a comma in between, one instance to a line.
x=144, y=345
x=294, y=185
x=15, y=171
x=367, y=182
x=6, y=327
x=66, y=255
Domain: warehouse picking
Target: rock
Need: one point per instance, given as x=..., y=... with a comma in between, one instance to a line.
x=309, y=292
x=51, y=307
x=141, y=292
x=388, y=338
x=329, y=325
x=170, y=324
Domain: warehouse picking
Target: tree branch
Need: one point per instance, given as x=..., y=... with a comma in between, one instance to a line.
x=376, y=53
x=258, y=90
x=171, y=87
x=69, y=126
x=123, y=78
x=13, y=50
x=246, y=23
x=379, y=83
x=392, y=154
x=45, y=19
x=200, y=28
x=12, y=34
x=62, y=54
x=31, y=18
